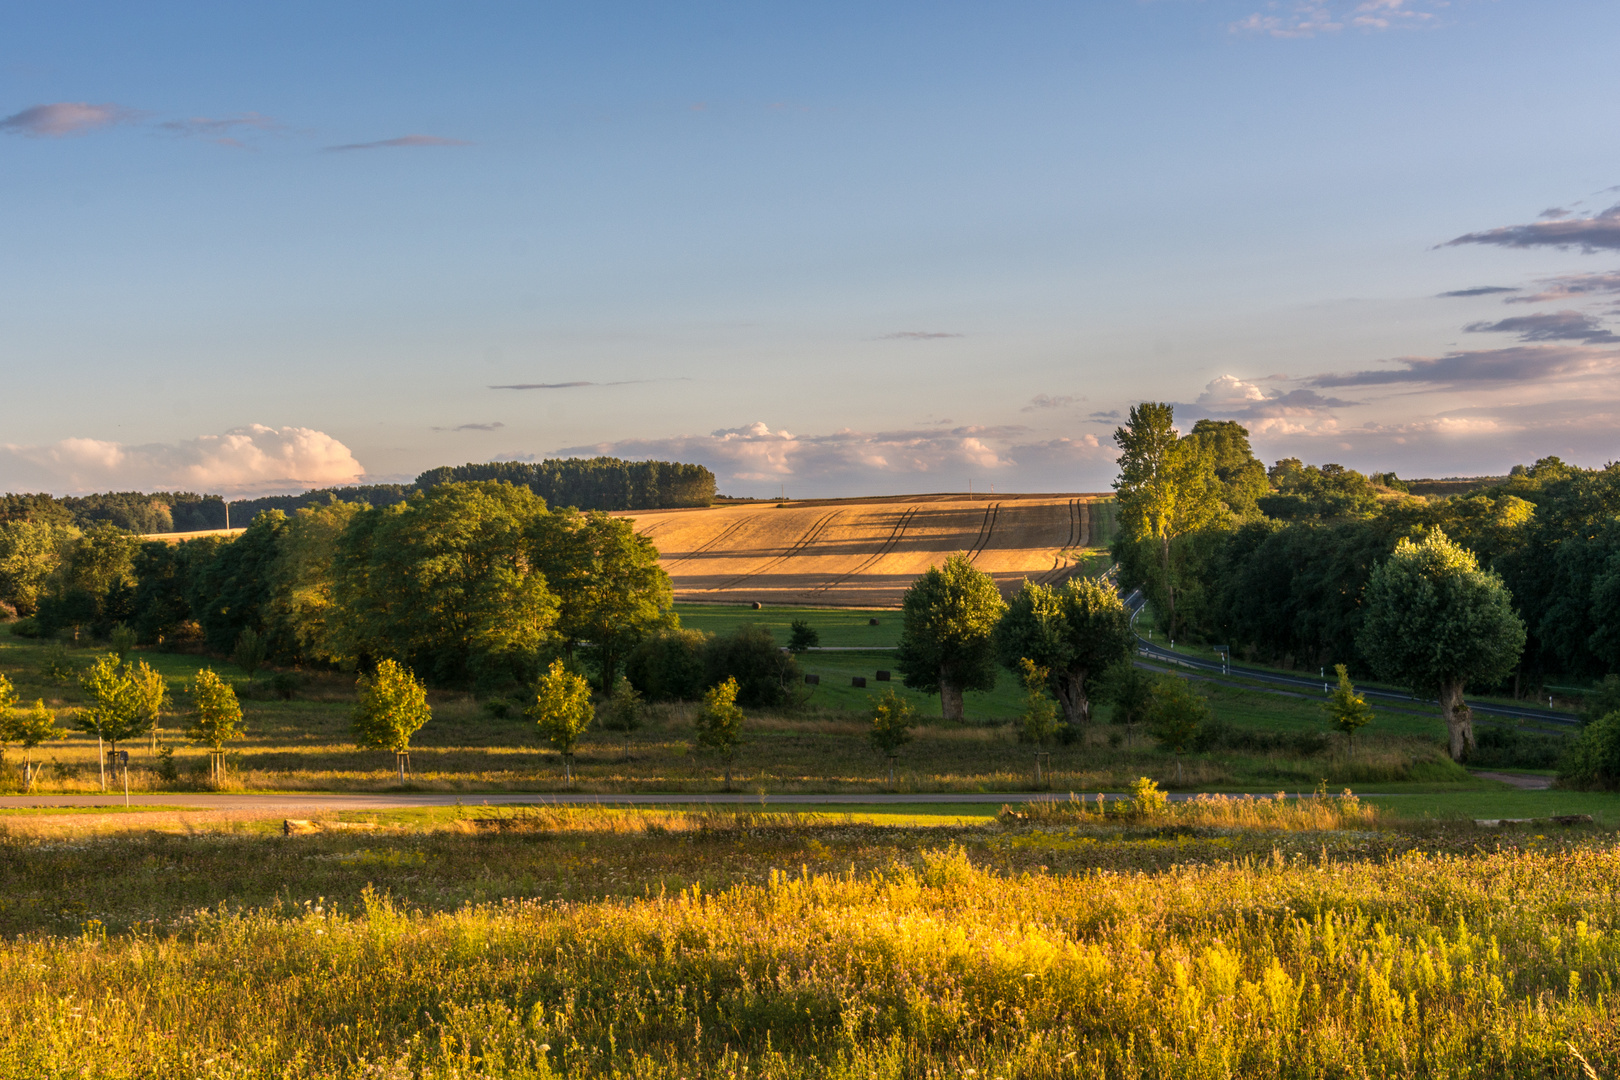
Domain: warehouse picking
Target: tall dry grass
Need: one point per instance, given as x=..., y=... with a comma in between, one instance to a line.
x=1495, y=965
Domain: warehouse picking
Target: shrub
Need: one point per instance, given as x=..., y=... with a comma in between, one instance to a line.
x=25, y=628
x=284, y=684
x=1510, y=748
x=669, y=665
x=1594, y=761
x=719, y=724
x=765, y=675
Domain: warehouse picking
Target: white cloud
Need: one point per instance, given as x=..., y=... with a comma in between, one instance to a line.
x=847, y=461
x=251, y=460
x=1308, y=18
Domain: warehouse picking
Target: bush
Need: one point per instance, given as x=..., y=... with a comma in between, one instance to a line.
x=1593, y=763
x=766, y=676
x=1509, y=748
x=669, y=665
x=25, y=628
x=1217, y=734
x=284, y=684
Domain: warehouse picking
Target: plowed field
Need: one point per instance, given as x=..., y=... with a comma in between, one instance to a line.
x=865, y=552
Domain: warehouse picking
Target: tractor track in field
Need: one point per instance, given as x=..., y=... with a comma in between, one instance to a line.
x=811, y=535
x=987, y=529
x=723, y=534
x=896, y=534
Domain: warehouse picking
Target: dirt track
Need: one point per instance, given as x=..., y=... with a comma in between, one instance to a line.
x=864, y=553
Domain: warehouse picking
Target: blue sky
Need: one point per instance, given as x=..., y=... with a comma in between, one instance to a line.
x=841, y=248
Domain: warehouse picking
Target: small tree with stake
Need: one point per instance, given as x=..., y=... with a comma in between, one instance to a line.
x=719, y=724
x=393, y=706
x=28, y=730
x=1347, y=710
x=124, y=702
x=562, y=708
x=216, y=718
x=1040, y=712
x=624, y=711
x=891, y=727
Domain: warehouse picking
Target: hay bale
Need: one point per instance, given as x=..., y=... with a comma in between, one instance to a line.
x=883, y=676
x=757, y=605
x=859, y=680
x=871, y=622
x=813, y=680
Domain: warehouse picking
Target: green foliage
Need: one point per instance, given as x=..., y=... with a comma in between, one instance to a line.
x=719, y=724
x=892, y=721
x=669, y=665
x=1040, y=718
x=124, y=700
x=625, y=711
x=1305, y=492
x=216, y=715
x=249, y=652
x=392, y=707
x=1593, y=763
x=1129, y=689
x=1175, y=713
x=122, y=640
x=802, y=637
x=610, y=589
x=446, y=584
x=1225, y=444
x=562, y=709
x=31, y=552
x=231, y=591
x=8, y=696
x=1347, y=710
x=600, y=483
x=1603, y=700
x=947, y=641
x=56, y=665
x=1166, y=488
x=766, y=676
x=28, y=730
x=1435, y=621
x=300, y=582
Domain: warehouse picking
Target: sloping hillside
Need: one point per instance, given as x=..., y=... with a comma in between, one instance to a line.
x=865, y=552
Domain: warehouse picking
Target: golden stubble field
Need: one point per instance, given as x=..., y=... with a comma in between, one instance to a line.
x=866, y=552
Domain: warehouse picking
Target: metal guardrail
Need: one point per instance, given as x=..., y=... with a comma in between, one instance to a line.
x=1136, y=602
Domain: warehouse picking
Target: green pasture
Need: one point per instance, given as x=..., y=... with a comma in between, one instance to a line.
x=843, y=627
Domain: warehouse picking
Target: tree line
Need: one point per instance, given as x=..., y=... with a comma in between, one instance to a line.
x=1311, y=566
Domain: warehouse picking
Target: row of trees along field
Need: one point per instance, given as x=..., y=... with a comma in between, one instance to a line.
x=38, y=532
x=469, y=584
x=1511, y=587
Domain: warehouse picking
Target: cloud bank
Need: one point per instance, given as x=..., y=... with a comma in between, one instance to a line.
x=1595, y=232
x=1517, y=365
x=251, y=460
x=904, y=459
x=1309, y=18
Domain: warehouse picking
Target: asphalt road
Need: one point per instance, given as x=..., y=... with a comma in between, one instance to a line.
x=1159, y=653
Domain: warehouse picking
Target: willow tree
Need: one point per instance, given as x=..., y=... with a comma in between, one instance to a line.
x=1436, y=622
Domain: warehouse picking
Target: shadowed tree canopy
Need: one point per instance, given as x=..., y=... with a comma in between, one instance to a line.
x=1076, y=631
x=1435, y=622
x=445, y=582
x=946, y=644
x=610, y=589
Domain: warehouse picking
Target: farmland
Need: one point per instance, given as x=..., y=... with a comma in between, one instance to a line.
x=865, y=552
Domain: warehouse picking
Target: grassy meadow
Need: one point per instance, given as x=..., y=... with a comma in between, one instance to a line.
x=1326, y=937
x=1269, y=741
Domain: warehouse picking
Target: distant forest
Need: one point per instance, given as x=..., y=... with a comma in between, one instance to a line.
x=601, y=483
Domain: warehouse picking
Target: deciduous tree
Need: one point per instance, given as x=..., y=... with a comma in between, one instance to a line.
x=946, y=642
x=1347, y=710
x=216, y=716
x=1435, y=622
x=719, y=724
x=1076, y=631
x=391, y=708
x=28, y=730
x=562, y=708
x=892, y=721
x=624, y=712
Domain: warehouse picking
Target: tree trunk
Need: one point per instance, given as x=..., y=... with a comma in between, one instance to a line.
x=728, y=776
x=568, y=769
x=1459, y=720
x=891, y=772
x=1070, y=690
x=950, y=698
x=101, y=752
